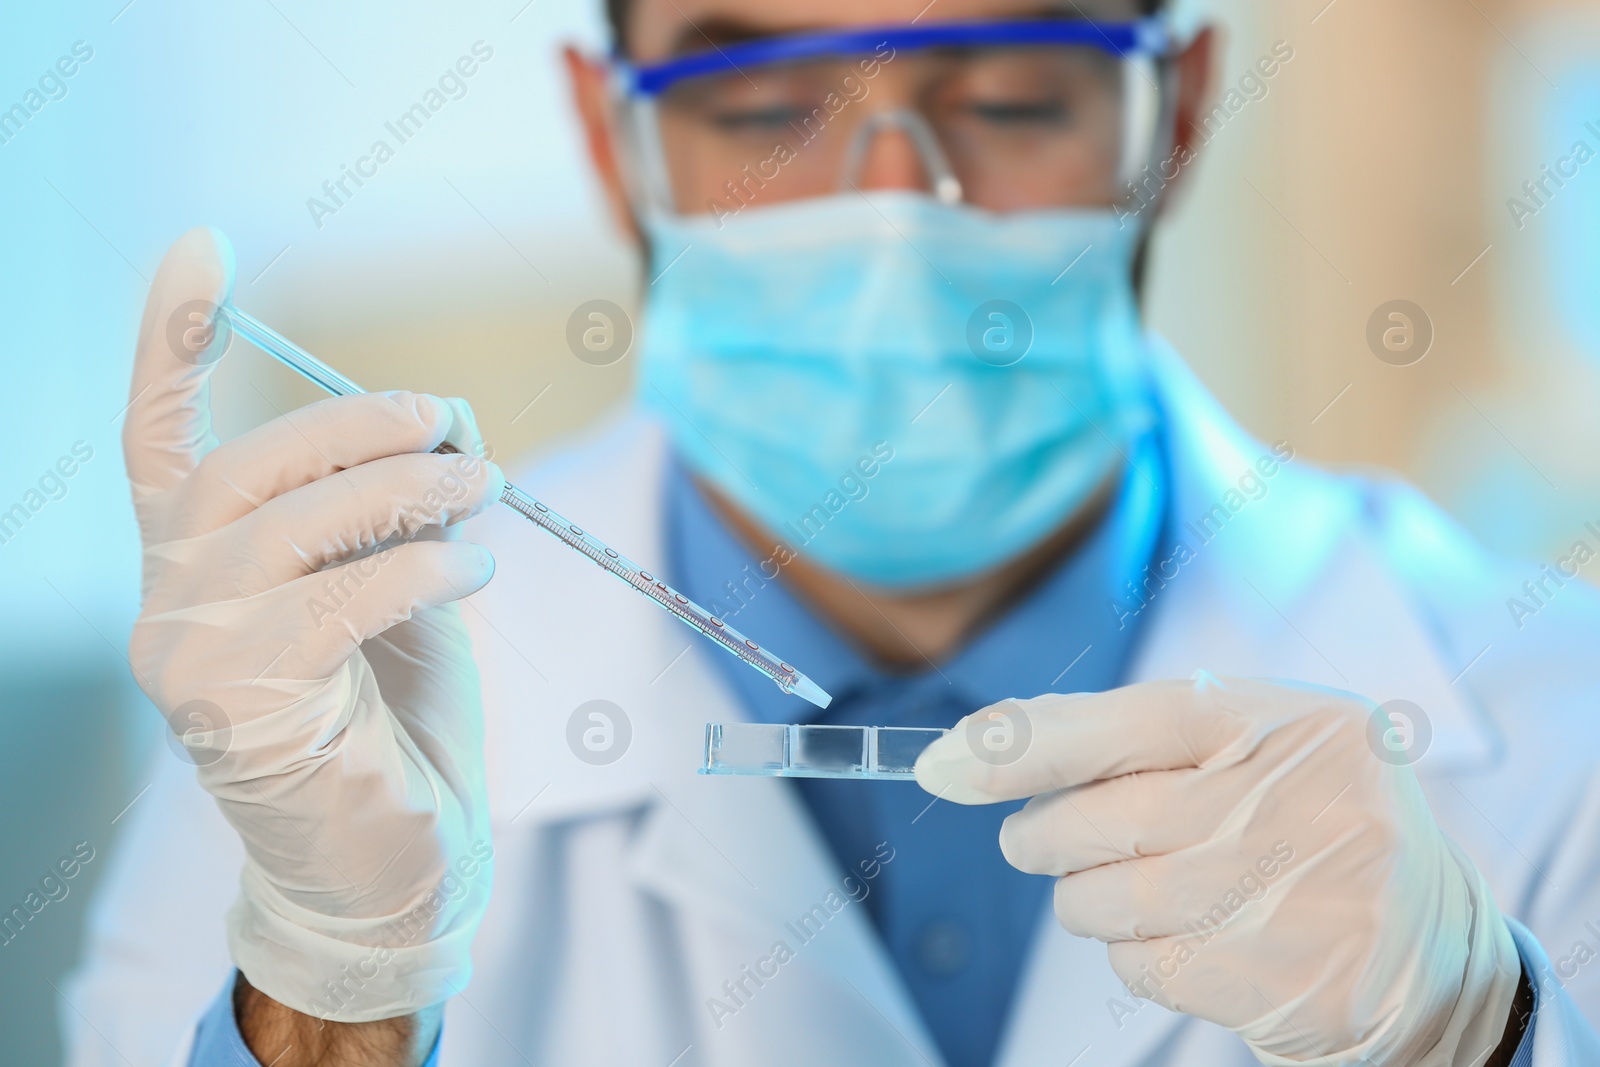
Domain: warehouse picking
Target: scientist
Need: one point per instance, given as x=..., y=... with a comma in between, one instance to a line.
x=898, y=415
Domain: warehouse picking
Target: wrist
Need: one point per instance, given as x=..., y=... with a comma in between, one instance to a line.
x=278, y=1035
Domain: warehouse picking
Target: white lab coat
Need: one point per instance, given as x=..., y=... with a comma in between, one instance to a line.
x=626, y=895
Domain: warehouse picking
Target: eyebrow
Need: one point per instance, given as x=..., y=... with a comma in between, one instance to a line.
x=717, y=30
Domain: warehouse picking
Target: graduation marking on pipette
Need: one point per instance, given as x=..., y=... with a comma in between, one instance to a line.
x=568, y=533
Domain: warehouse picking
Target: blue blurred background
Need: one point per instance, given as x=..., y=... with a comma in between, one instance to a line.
x=1378, y=164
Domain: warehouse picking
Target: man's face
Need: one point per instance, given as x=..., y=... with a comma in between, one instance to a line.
x=714, y=129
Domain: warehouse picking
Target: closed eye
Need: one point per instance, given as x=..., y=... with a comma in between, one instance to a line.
x=1020, y=112
x=758, y=120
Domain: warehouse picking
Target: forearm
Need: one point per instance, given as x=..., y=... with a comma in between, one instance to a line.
x=279, y=1036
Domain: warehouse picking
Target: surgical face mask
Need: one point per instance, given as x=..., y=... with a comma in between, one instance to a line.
x=987, y=369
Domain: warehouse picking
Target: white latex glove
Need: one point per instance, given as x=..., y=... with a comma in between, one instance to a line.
x=331, y=708
x=1248, y=860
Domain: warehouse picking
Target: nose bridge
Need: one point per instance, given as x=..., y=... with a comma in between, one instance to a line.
x=946, y=186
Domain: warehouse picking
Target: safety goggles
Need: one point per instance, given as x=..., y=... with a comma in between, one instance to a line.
x=1006, y=115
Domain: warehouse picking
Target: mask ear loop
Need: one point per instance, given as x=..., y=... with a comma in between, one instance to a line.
x=946, y=186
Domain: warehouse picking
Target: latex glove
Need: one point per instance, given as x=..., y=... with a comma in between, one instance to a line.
x=330, y=703
x=1248, y=860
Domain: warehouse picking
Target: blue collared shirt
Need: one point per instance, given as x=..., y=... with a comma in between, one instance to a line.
x=956, y=919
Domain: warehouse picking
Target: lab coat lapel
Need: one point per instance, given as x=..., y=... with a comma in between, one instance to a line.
x=740, y=857
x=737, y=857
x=1072, y=1009
x=1294, y=585
x=742, y=853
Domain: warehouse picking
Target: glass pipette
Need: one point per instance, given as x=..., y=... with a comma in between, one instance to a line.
x=786, y=677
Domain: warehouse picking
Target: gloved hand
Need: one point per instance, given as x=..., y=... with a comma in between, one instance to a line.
x=1248, y=860
x=325, y=691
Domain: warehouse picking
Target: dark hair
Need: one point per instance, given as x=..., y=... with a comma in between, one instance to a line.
x=617, y=19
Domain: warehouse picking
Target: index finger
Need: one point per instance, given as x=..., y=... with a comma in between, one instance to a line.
x=168, y=425
x=1021, y=748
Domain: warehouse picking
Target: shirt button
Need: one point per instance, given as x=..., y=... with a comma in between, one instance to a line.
x=942, y=947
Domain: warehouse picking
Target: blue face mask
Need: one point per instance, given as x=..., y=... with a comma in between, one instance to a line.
x=904, y=392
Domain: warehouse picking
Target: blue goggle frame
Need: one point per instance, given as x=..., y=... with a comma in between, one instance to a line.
x=1146, y=37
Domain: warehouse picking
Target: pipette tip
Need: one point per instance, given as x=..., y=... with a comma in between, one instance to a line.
x=804, y=687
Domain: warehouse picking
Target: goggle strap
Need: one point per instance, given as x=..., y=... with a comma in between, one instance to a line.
x=1146, y=37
